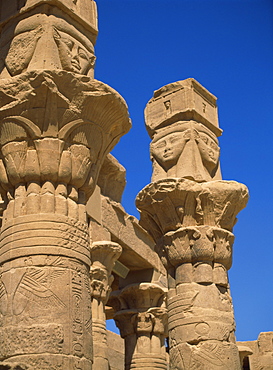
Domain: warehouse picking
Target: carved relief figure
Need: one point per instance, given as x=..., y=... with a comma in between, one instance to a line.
x=185, y=150
x=34, y=288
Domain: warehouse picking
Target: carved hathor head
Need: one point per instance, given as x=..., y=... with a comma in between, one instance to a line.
x=182, y=121
x=185, y=149
x=49, y=35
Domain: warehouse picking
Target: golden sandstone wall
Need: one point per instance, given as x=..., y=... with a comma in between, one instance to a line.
x=66, y=241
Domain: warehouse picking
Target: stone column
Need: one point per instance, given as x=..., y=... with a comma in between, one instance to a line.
x=56, y=126
x=103, y=256
x=191, y=219
x=142, y=320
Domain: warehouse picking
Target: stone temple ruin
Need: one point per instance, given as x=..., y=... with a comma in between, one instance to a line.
x=70, y=256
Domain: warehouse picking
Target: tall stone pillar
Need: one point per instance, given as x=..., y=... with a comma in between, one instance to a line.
x=56, y=126
x=103, y=256
x=142, y=320
x=190, y=212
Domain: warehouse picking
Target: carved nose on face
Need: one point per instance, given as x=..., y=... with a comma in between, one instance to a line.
x=167, y=149
x=76, y=57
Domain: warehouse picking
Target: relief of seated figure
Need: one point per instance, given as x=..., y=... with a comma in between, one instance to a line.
x=185, y=150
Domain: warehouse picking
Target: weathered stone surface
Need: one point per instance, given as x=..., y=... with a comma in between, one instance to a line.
x=73, y=115
x=182, y=120
x=138, y=246
x=57, y=126
x=257, y=354
x=112, y=178
x=185, y=150
x=182, y=101
x=83, y=12
x=42, y=311
x=9, y=366
x=168, y=204
x=192, y=224
x=115, y=351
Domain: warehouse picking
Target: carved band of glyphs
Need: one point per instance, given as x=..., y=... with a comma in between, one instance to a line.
x=205, y=355
x=57, y=234
x=46, y=361
x=45, y=260
x=197, y=328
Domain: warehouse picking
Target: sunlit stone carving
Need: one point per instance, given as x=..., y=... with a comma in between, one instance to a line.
x=49, y=35
x=142, y=320
x=187, y=150
x=190, y=212
x=57, y=124
x=181, y=119
x=103, y=256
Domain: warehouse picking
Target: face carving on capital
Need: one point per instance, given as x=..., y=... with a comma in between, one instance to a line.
x=186, y=150
x=49, y=43
x=168, y=149
x=73, y=55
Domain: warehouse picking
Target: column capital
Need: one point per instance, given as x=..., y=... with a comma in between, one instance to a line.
x=125, y=322
x=160, y=315
x=58, y=145
x=141, y=296
x=103, y=257
x=169, y=204
x=105, y=254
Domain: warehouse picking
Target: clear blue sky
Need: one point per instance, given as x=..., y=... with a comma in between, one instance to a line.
x=226, y=45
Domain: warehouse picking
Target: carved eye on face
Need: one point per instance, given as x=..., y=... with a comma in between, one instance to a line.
x=209, y=151
x=168, y=149
x=82, y=54
x=214, y=146
x=159, y=145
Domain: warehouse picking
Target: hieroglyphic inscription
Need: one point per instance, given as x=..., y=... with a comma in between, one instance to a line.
x=77, y=313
